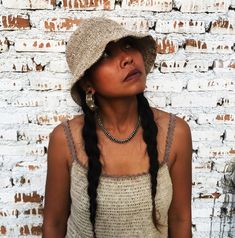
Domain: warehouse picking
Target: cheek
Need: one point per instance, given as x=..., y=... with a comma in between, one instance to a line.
x=101, y=80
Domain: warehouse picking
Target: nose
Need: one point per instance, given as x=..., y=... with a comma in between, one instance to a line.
x=126, y=59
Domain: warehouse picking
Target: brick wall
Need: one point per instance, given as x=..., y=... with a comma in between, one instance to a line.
x=194, y=77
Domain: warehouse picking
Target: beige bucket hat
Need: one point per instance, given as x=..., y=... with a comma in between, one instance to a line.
x=89, y=40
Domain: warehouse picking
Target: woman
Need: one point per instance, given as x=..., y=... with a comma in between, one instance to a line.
x=122, y=169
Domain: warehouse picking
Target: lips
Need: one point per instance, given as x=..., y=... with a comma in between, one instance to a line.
x=132, y=74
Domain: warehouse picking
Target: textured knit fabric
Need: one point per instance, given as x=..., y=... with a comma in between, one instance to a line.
x=88, y=42
x=124, y=202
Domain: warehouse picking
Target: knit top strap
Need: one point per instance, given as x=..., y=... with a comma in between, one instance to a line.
x=169, y=137
x=70, y=140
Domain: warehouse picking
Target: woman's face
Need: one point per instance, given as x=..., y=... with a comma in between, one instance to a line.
x=108, y=77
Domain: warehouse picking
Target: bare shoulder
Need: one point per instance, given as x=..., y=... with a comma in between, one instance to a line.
x=58, y=143
x=181, y=139
x=162, y=119
x=182, y=135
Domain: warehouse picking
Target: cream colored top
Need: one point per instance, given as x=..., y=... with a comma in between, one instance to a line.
x=124, y=202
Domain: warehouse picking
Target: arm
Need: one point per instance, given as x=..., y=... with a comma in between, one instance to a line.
x=181, y=175
x=57, y=198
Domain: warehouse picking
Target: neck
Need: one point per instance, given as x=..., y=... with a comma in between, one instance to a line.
x=119, y=114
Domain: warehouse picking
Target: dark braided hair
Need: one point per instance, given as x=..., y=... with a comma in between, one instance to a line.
x=91, y=148
x=93, y=154
x=149, y=135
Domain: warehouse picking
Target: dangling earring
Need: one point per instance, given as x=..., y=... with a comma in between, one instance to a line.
x=90, y=100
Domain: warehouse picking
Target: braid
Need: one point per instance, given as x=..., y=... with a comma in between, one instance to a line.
x=149, y=135
x=93, y=153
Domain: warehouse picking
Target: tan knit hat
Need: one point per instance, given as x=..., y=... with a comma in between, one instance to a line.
x=88, y=42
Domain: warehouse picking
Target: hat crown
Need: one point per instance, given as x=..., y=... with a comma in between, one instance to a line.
x=89, y=40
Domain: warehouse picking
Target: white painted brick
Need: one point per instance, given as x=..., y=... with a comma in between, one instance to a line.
x=12, y=150
x=206, y=135
x=32, y=167
x=48, y=81
x=207, y=181
x=202, y=212
x=35, y=99
x=201, y=84
x=209, y=46
x=215, y=152
x=223, y=65
x=210, y=118
x=156, y=100
x=232, y=3
x=13, y=117
x=225, y=166
x=12, y=84
x=5, y=180
x=180, y=26
x=52, y=118
x=230, y=134
x=203, y=6
x=35, y=150
x=7, y=134
x=134, y=24
x=29, y=150
x=212, y=225
x=4, y=44
x=155, y=5
x=39, y=45
x=202, y=167
x=20, y=65
x=164, y=85
x=227, y=100
x=7, y=196
x=9, y=162
x=34, y=134
x=29, y=4
x=168, y=66
x=59, y=66
x=193, y=100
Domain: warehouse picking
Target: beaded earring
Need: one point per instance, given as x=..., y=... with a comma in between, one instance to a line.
x=90, y=100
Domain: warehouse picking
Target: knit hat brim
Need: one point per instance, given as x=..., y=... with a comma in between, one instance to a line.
x=88, y=42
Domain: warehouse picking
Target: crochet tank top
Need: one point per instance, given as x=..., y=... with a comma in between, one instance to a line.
x=124, y=202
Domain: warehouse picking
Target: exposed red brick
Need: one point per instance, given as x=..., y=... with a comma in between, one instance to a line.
x=166, y=46
x=33, y=167
x=76, y=4
x=216, y=194
x=36, y=230
x=232, y=65
x=3, y=230
x=221, y=23
x=225, y=117
x=18, y=197
x=12, y=22
x=32, y=197
x=191, y=42
x=232, y=151
x=24, y=230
